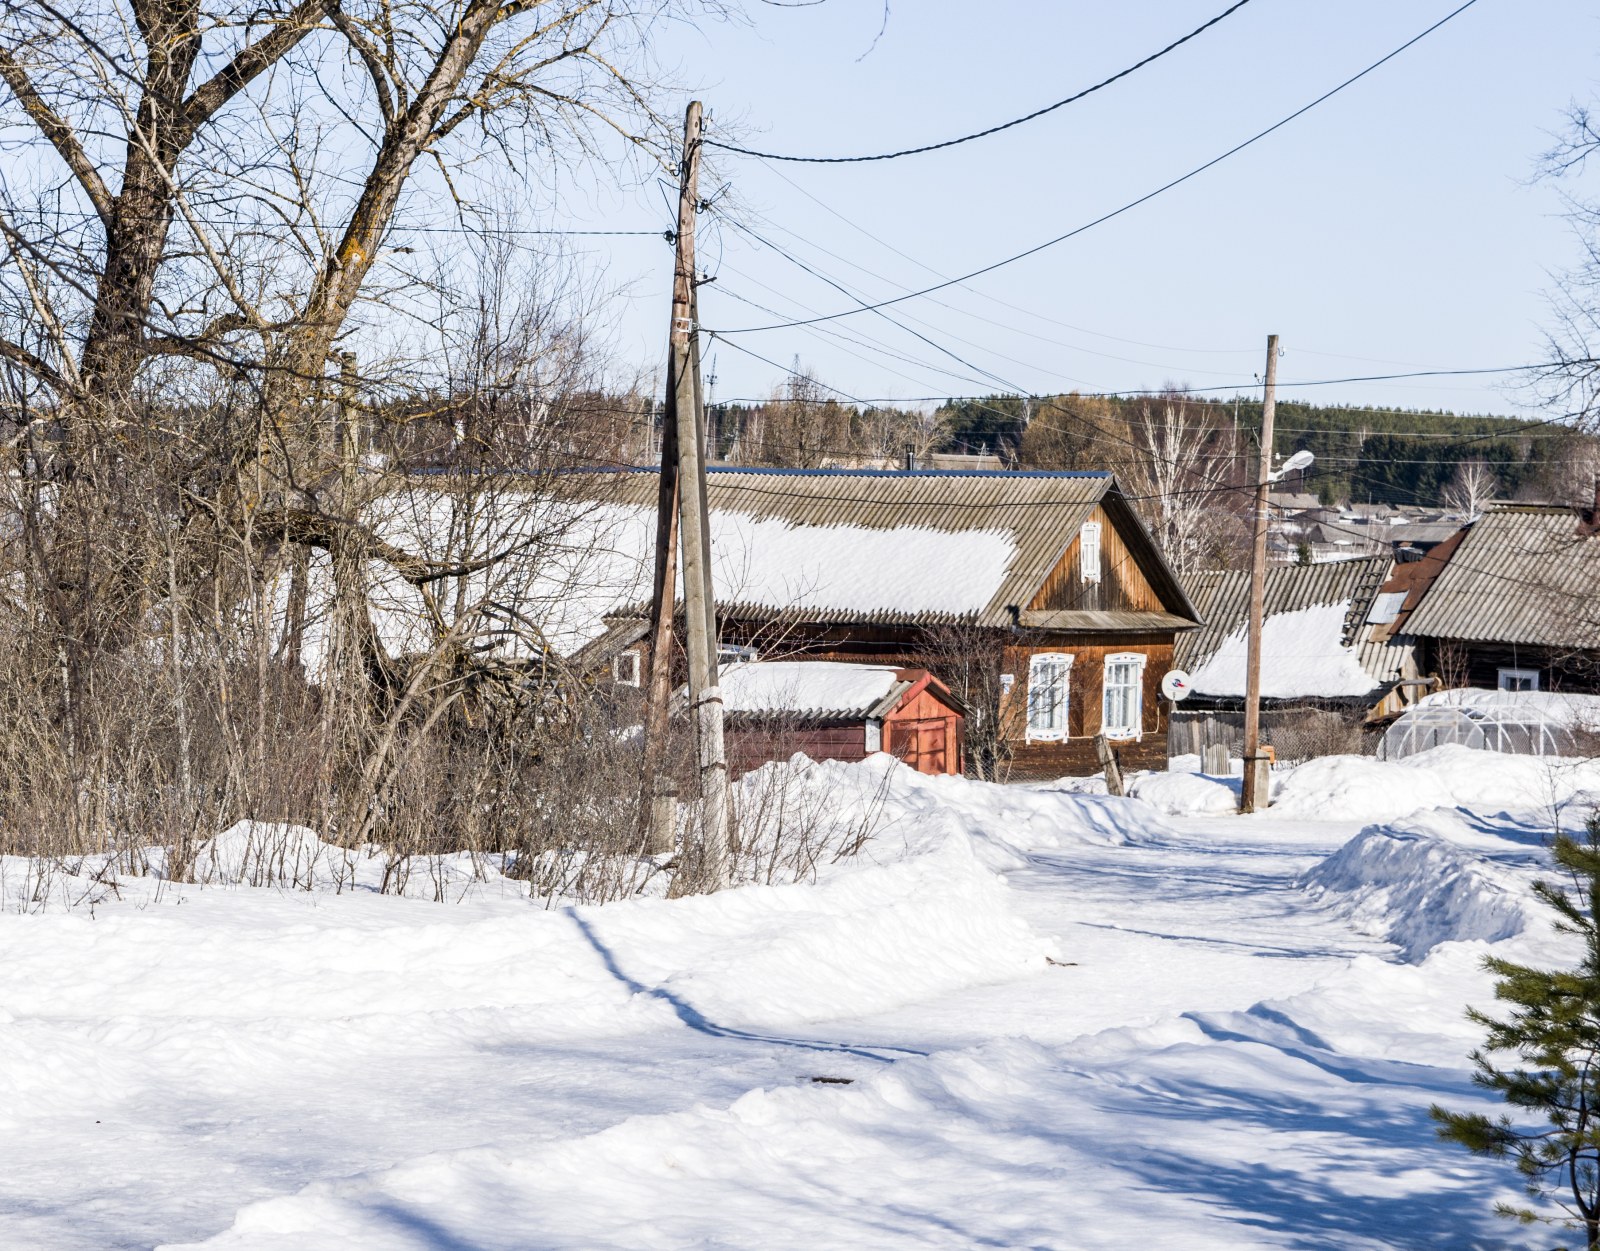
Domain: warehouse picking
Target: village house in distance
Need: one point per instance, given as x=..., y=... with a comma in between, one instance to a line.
x=1044, y=586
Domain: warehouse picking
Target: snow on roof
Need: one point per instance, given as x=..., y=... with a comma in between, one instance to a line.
x=815, y=687
x=909, y=570
x=1576, y=711
x=570, y=563
x=1302, y=654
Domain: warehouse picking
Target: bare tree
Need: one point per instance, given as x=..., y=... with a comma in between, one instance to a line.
x=237, y=188
x=1183, y=473
x=1471, y=489
x=249, y=253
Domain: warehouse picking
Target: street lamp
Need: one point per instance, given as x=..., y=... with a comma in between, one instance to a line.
x=1255, y=791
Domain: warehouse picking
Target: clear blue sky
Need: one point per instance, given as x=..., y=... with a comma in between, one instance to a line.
x=1394, y=226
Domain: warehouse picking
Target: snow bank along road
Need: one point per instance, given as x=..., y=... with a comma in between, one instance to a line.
x=1028, y=1018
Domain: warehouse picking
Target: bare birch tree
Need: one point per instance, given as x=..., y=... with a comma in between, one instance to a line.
x=1471, y=489
x=1182, y=472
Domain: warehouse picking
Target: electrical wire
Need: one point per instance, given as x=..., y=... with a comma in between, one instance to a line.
x=991, y=130
x=1131, y=204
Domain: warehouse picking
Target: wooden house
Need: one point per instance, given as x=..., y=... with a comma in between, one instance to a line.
x=1330, y=651
x=1047, y=583
x=833, y=711
x=1514, y=605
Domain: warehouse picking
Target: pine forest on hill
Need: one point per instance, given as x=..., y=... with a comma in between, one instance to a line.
x=1377, y=455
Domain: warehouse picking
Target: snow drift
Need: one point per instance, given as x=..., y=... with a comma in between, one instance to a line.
x=1185, y=794
x=1418, y=892
x=1365, y=789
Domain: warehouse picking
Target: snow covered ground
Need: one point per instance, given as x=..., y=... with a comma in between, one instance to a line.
x=1024, y=1017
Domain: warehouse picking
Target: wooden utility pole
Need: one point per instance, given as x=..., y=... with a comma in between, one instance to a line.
x=683, y=506
x=1255, y=793
x=657, y=812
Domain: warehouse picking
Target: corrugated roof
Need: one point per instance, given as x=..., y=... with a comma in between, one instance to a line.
x=1222, y=599
x=1522, y=574
x=1041, y=512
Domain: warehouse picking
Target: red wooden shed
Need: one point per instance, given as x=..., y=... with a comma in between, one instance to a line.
x=835, y=711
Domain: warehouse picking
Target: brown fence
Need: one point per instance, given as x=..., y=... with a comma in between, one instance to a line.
x=1296, y=732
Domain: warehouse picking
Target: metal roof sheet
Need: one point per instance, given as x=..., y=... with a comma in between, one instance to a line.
x=1522, y=574
x=1041, y=511
x=1222, y=598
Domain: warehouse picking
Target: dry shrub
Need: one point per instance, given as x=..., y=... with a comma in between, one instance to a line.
x=795, y=816
x=1300, y=734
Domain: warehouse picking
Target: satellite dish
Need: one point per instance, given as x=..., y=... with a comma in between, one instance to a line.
x=1175, y=685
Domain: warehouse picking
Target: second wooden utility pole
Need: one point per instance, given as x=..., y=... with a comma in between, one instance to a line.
x=684, y=484
x=1256, y=791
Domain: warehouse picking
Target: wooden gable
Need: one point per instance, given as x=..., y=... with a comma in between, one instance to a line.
x=1122, y=585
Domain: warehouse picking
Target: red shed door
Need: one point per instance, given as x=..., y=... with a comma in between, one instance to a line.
x=924, y=745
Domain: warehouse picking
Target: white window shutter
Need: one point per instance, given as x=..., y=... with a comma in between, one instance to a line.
x=1089, y=551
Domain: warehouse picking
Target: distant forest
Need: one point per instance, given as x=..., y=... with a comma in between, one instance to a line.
x=1393, y=456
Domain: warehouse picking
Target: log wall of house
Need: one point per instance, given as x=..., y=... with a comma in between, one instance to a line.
x=1085, y=704
x=1123, y=586
x=1468, y=663
x=885, y=645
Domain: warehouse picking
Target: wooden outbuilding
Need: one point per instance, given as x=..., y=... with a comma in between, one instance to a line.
x=834, y=711
x=1514, y=605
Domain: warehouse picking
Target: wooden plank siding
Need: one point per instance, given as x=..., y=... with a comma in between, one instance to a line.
x=885, y=645
x=753, y=742
x=1476, y=663
x=1123, y=585
x=926, y=733
x=1085, y=704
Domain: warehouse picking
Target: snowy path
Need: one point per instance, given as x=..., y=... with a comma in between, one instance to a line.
x=1136, y=1096
x=1212, y=921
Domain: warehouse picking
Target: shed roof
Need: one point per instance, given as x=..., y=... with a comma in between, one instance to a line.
x=820, y=689
x=1522, y=573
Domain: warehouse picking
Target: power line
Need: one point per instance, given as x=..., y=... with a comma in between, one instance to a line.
x=990, y=321
x=992, y=130
x=180, y=219
x=1131, y=204
x=1237, y=388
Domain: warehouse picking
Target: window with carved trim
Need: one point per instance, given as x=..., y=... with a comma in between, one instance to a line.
x=1122, y=715
x=1048, y=679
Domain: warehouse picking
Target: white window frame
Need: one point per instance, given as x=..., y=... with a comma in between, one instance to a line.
x=1123, y=732
x=1059, y=664
x=626, y=668
x=1530, y=676
x=1089, y=551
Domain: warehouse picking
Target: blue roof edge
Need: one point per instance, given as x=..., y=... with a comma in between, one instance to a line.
x=766, y=471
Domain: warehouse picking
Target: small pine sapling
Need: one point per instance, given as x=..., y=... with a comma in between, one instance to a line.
x=1554, y=1031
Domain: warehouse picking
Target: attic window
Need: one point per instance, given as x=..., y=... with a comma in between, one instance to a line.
x=625, y=668
x=1089, y=551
